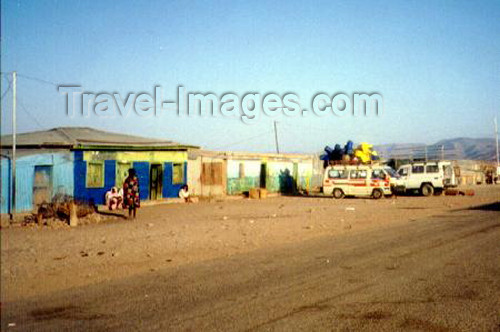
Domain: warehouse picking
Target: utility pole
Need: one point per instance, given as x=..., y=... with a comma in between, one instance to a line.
x=276, y=138
x=13, y=168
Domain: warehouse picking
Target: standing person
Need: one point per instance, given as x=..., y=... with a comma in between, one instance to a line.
x=131, y=193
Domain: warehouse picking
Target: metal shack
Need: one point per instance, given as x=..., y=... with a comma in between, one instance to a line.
x=213, y=173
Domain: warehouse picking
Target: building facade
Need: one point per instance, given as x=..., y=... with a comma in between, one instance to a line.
x=234, y=173
x=39, y=176
x=85, y=163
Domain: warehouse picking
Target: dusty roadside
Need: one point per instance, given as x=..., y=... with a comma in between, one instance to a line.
x=37, y=261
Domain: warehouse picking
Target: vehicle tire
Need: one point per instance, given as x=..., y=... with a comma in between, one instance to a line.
x=377, y=194
x=426, y=190
x=338, y=193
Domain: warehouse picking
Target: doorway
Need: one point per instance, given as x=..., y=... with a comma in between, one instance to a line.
x=42, y=185
x=263, y=175
x=155, y=182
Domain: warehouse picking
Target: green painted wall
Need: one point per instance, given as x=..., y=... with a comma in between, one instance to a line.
x=237, y=186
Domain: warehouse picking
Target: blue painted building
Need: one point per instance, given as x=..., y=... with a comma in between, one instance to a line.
x=86, y=163
x=37, y=176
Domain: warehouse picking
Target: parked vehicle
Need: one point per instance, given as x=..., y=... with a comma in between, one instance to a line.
x=426, y=177
x=357, y=180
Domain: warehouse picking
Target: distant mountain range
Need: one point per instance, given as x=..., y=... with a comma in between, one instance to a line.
x=455, y=148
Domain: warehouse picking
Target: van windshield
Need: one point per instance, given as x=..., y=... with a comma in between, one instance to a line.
x=403, y=171
x=392, y=173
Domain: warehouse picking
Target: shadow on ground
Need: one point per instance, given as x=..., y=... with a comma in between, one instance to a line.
x=112, y=214
x=485, y=207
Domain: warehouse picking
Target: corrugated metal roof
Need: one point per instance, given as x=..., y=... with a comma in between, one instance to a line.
x=86, y=138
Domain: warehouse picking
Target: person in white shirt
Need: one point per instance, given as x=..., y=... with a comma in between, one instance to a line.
x=114, y=198
x=184, y=193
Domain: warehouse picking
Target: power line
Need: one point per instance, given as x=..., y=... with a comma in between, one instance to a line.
x=30, y=115
x=8, y=88
x=33, y=78
x=38, y=80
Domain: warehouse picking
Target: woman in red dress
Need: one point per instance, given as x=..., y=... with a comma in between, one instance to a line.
x=131, y=193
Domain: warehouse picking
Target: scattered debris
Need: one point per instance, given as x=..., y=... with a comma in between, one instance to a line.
x=350, y=208
x=93, y=218
x=56, y=223
x=224, y=218
x=392, y=266
x=470, y=192
x=30, y=218
x=456, y=192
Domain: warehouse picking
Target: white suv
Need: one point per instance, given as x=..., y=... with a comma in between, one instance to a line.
x=426, y=177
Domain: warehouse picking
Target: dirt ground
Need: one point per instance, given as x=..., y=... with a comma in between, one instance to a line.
x=41, y=260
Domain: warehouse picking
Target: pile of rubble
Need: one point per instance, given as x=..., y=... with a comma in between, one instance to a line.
x=63, y=211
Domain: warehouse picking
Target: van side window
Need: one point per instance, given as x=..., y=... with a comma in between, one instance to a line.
x=417, y=169
x=362, y=174
x=336, y=174
x=403, y=172
x=432, y=169
x=333, y=174
x=354, y=174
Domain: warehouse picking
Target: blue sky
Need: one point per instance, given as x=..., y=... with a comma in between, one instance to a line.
x=436, y=64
